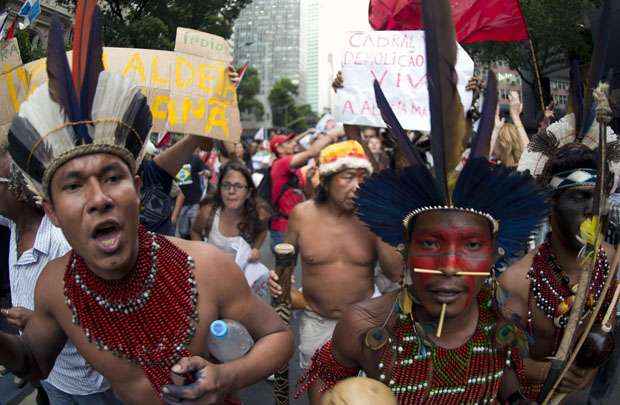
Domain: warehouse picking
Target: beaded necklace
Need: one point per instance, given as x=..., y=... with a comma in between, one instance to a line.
x=149, y=317
x=550, y=289
x=418, y=371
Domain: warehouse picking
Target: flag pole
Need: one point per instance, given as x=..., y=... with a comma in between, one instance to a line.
x=539, y=88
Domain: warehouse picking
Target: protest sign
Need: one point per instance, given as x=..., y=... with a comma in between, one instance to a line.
x=188, y=94
x=397, y=59
x=13, y=82
x=202, y=44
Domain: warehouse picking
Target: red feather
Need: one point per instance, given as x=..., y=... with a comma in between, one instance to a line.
x=81, y=40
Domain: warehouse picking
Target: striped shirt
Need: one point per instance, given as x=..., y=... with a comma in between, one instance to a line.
x=71, y=374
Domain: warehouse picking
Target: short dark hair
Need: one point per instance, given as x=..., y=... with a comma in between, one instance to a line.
x=322, y=194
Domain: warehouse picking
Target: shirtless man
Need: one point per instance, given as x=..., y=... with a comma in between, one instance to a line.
x=555, y=265
x=338, y=253
x=132, y=302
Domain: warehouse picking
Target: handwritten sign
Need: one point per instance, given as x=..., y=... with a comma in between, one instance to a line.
x=203, y=44
x=187, y=93
x=13, y=82
x=397, y=59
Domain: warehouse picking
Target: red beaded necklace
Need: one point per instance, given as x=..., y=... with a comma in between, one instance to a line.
x=149, y=317
x=550, y=289
x=418, y=371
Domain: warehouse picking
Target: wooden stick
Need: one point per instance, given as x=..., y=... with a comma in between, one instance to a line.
x=611, y=310
x=441, y=318
x=460, y=273
x=473, y=273
x=610, y=277
x=425, y=271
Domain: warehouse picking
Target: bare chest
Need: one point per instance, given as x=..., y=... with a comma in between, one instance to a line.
x=336, y=241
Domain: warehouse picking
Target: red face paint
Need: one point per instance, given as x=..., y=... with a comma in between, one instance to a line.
x=449, y=242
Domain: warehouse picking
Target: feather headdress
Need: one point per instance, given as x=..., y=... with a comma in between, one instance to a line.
x=79, y=111
x=389, y=201
x=577, y=127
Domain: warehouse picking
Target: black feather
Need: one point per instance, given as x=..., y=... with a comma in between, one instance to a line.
x=481, y=144
x=138, y=116
x=447, y=117
x=576, y=93
x=60, y=81
x=544, y=142
x=407, y=148
x=23, y=139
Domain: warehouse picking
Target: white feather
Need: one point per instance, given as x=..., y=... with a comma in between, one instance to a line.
x=113, y=96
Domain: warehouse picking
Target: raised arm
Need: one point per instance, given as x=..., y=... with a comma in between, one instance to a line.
x=313, y=151
x=391, y=261
x=516, y=107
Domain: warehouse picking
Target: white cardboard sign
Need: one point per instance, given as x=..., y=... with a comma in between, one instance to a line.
x=397, y=59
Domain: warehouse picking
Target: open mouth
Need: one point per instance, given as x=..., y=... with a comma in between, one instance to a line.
x=107, y=236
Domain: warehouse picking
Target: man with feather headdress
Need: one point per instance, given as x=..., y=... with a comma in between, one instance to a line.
x=132, y=302
x=541, y=288
x=441, y=338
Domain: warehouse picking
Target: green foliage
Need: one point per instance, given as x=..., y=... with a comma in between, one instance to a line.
x=284, y=110
x=282, y=102
x=247, y=91
x=152, y=24
x=557, y=29
x=28, y=51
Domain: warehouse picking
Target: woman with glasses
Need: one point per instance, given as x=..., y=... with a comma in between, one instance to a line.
x=233, y=213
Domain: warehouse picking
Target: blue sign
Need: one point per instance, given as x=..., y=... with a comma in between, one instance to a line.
x=31, y=10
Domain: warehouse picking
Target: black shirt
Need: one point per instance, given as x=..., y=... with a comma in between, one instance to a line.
x=189, y=180
x=155, y=202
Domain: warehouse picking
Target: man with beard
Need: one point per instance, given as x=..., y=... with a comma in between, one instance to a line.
x=338, y=253
x=540, y=288
x=132, y=302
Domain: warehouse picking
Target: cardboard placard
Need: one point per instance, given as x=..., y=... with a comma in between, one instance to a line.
x=397, y=59
x=203, y=44
x=188, y=94
x=13, y=82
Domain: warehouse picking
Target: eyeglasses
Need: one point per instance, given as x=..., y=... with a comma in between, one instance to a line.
x=236, y=186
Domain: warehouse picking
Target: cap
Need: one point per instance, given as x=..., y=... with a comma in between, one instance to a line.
x=278, y=140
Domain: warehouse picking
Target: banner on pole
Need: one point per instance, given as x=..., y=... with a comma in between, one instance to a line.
x=397, y=60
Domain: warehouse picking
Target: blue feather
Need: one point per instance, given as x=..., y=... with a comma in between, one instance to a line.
x=407, y=148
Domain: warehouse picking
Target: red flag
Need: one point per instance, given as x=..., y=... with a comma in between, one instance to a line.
x=11, y=32
x=475, y=20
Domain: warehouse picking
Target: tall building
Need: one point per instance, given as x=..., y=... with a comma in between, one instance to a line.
x=310, y=22
x=267, y=36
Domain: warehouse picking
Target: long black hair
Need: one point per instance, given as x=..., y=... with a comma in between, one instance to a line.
x=250, y=225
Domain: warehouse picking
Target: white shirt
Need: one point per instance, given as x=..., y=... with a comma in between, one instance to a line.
x=70, y=374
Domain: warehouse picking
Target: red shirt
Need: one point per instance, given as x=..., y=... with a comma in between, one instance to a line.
x=281, y=173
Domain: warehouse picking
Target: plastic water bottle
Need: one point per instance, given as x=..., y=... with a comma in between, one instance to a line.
x=228, y=340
